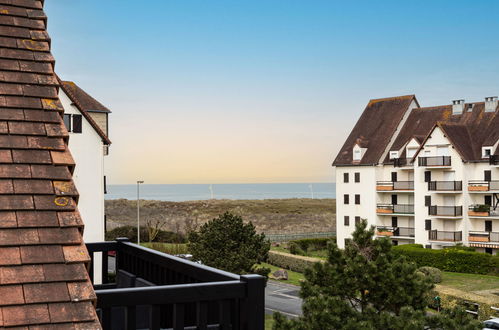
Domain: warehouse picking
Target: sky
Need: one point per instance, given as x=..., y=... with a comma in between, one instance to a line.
x=262, y=90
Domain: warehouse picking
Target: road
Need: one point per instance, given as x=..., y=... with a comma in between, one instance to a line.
x=282, y=298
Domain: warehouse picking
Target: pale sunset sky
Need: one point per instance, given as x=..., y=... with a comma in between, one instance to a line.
x=262, y=90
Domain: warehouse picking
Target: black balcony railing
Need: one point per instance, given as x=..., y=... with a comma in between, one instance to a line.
x=449, y=236
x=451, y=211
x=434, y=161
x=146, y=289
x=401, y=162
x=395, y=185
x=445, y=185
x=395, y=208
x=483, y=237
x=494, y=160
x=479, y=185
x=395, y=231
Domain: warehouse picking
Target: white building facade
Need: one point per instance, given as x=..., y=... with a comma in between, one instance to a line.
x=422, y=175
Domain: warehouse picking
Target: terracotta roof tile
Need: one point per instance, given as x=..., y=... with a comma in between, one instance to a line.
x=40, y=248
x=21, y=274
x=11, y=295
x=25, y=314
x=41, y=254
x=45, y=292
x=9, y=256
x=37, y=219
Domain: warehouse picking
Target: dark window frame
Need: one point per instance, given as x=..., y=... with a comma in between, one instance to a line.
x=346, y=199
x=77, y=123
x=357, y=177
x=357, y=199
x=346, y=178
x=346, y=220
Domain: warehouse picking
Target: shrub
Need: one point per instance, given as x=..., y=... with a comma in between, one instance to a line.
x=295, y=249
x=130, y=232
x=290, y=261
x=451, y=260
x=312, y=244
x=450, y=298
x=434, y=274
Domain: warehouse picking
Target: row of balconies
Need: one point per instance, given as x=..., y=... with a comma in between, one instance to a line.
x=474, y=186
x=436, y=161
x=440, y=235
x=477, y=210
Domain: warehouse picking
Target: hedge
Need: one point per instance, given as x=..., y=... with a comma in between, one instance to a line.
x=312, y=243
x=450, y=298
x=290, y=261
x=451, y=260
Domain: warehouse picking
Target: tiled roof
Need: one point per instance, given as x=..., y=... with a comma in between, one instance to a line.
x=87, y=102
x=81, y=100
x=43, y=276
x=374, y=129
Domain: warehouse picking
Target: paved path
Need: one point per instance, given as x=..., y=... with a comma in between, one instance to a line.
x=282, y=298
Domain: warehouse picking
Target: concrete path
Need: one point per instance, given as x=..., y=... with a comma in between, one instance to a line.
x=282, y=298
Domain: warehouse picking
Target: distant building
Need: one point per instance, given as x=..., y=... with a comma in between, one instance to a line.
x=422, y=175
x=87, y=122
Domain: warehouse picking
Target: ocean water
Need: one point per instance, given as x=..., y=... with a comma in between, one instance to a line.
x=189, y=192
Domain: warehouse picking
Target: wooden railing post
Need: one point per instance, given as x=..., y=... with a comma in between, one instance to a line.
x=118, y=256
x=253, y=307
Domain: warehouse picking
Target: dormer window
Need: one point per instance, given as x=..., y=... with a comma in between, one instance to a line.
x=394, y=154
x=357, y=154
x=486, y=152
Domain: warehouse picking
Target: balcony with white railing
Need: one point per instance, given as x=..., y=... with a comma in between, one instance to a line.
x=482, y=211
x=483, y=237
x=445, y=236
x=387, y=231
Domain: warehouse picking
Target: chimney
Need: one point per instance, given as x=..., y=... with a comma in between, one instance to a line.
x=491, y=104
x=457, y=107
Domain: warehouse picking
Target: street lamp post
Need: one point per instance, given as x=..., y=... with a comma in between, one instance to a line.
x=138, y=212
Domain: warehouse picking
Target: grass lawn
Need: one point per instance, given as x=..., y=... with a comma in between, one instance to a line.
x=469, y=282
x=269, y=321
x=321, y=254
x=293, y=277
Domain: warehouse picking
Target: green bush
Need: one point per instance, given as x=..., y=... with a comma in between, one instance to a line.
x=434, y=274
x=451, y=260
x=295, y=249
x=130, y=232
x=312, y=244
x=290, y=262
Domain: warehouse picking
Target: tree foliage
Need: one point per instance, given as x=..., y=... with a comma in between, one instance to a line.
x=368, y=286
x=228, y=243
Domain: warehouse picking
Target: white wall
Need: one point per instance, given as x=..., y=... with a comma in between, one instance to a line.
x=87, y=151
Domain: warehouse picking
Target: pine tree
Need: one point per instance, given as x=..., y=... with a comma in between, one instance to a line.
x=367, y=286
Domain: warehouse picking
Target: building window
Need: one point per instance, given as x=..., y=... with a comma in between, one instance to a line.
x=346, y=199
x=394, y=154
x=395, y=222
x=394, y=176
x=487, y=175
x=345, y=177
x=347, y=220
x=357, y=199
x=73, y=123
x=487, y=200
x=67, y=122
x=395, y=243
x=357, y=177
x=427, y=201
x=357, y=220
x=357, y=154
x=427, y=224
x=488, y=225
x=486, y=152
x=427, y=176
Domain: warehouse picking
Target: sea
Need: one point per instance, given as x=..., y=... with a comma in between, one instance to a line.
x=190, y=192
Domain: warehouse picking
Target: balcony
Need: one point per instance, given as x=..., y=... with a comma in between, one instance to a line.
x=395, y=186
x=148, y=289
x=402, y=162
x=434, y=161
x=482, y=210
x=494, y=160
x=483, y=237
x=402, y=209
x=446, y=236
x=395, y=231
x=445, y=186
x=478, y=186
x=445, y=211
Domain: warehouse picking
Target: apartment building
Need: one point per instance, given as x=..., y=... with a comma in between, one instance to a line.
x=426, y=175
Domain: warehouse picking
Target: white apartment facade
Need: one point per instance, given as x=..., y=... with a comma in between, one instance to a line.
x=422, y=175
